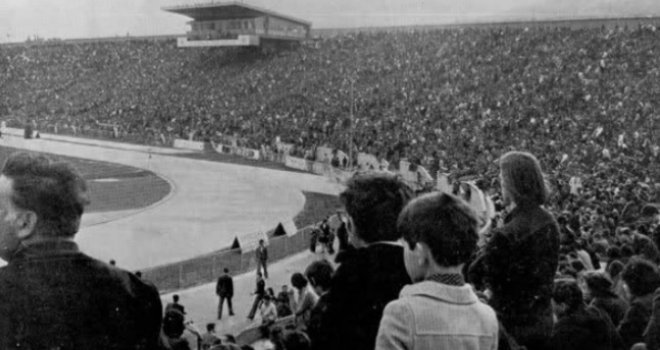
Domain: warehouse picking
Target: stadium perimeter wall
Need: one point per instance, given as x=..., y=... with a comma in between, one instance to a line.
x=207, y=268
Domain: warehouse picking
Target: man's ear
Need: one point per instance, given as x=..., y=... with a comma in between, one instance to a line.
x=26, y=222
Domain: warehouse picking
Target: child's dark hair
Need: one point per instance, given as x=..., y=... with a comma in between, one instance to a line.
x=641, y=276
x=319, y=273
x=298, y=280
x=567, y=291
x=445, y=223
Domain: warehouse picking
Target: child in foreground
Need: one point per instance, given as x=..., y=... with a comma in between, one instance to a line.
x=438, y=311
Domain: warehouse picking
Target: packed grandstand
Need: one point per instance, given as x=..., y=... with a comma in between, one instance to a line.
x=584, y=100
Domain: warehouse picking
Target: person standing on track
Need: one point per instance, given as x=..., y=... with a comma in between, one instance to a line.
x=259, y=294
x=224, y=289
x=262, y=258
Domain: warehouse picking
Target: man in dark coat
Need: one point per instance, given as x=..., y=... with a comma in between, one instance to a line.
x=599, y=292
x=578, y=326
x=319, y=274
x=373, y=274
x=642, y=278
x=175, y=305
x=262, y=258
x=224, y=289
x=52, y=295
x=259, y=294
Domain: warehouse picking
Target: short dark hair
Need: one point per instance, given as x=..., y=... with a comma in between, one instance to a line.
x=627, y=251
x=567, y=291
x=641, y=276
x=173, y=323
x=445, y=223
x=210, y=326
x=175, y=297
x=577, y=265
x=53, y=190
x=226, y=270
x=614, y=268
x=613, y=253
x=374, y=200
x=319, y=273
x=296, y=340
x=298, y=280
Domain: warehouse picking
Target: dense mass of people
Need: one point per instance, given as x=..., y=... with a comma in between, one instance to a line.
x=571, y=261
x=583, y=100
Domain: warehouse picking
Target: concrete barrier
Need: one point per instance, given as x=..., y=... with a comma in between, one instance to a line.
x=207, y=268
x=191, y=145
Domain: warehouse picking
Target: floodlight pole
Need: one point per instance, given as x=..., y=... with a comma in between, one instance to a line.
x=352, y=131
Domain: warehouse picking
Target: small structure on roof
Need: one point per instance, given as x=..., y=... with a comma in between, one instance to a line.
x=238, y=24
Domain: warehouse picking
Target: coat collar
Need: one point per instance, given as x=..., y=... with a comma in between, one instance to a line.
x=46, y=248
x=462, y=295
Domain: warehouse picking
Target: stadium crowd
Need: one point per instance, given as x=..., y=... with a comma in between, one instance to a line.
x=584, y=101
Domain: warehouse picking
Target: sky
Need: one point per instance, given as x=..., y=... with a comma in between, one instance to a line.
x=20, y=19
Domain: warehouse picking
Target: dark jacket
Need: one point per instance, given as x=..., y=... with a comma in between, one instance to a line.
x=225, y=286
x=175, y=306
x=586, y=329
x=636, y=320
x=261, y=287
x=614, y=306
x=367, y=279
x=315, y=330
x=652, y=333
x=261, y=253
x=645, y=247
x=54, y=296
x=518, y=264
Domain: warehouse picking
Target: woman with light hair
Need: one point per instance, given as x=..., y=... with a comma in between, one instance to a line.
x=519, y=261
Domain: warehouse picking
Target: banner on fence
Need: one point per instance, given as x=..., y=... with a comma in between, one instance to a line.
x=322, y=168
x=442, y=184
x=249, y=153
x=191, y=145
x=367, y=161
x=324, y=154
x=284, y=147
x=295, y=163
x=239, y=151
